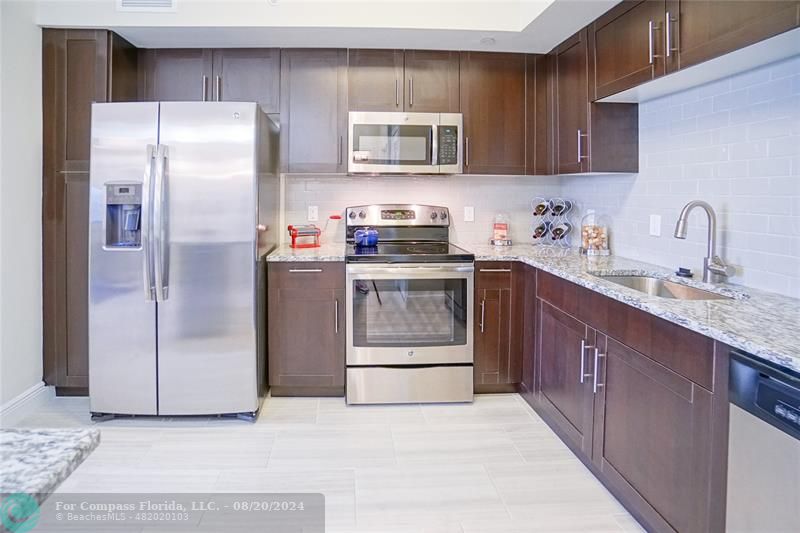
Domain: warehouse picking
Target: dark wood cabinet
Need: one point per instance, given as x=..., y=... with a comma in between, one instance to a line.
x=589, y=137
x=306, y=328
x=526, y=320
x=313, y=110
x=432, y=81
x=176, y=74
x=653, y=442
x=375, y=80
x=79, y=67
x=627, y=46
x=492, y=101
x=538, y=116
x=496, y=364
x=700, y=30
x=247, y=75
x=564, y=376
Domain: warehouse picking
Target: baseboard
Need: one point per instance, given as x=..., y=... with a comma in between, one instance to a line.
x=25, y=403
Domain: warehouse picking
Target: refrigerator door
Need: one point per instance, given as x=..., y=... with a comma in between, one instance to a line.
x=205, y=203
x=122, y=309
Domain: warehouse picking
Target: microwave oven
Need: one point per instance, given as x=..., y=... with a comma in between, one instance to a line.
x=404, y=143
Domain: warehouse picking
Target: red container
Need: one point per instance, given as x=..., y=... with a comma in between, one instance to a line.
x=306, y=236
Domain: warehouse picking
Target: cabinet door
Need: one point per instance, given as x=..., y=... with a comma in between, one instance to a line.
x=493, y=326
x=571, y=105
x=176, y=74
x=375, y=80
x=653, y=442
x=628, y=46
x=74, y=74
x=431, y=81
x=538, y=116
x=313, y=110
x=565, y=377
x=528, y=333
x=492, y=97
x=306, y=336
x=247, y=75
x=704, y=29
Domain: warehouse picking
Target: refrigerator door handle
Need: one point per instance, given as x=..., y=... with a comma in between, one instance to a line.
x=147, y=225
x=160, y=217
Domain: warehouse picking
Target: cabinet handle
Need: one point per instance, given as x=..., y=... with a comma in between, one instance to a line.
x=336, y=316
x=483, y=311
x=305, y=270
x=668, y=36
x=581, y=135
x=396, y=93
x=597, y=356
x=584, y=347
x=494, y=270
x=650, y=41
x=205, y=87
x=411, y=92
x=218, y=87
x=340, y=150
x=466, y=151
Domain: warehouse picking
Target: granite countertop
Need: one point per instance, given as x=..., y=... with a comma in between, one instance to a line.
x=761, y=323
x=36, y=461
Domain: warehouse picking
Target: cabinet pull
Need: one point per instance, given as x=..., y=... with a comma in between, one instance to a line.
x=668, y=35
x=397, y=93
x=218, y=87
x=305, y=270
x=581, y=135
x=340, y=150
x=336, y=316
x=651, y=27
x=494, y=270
x=411, y=92
x=466, y=151
x=205, y=87
x=597, y=356
x=483, y=311
x=584, y=347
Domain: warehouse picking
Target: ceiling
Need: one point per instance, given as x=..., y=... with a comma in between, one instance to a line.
x=492, y=25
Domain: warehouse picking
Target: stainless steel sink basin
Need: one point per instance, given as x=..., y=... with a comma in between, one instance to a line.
x=663, y=288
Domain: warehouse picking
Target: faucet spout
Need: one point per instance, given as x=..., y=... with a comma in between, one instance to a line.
x=713, y=267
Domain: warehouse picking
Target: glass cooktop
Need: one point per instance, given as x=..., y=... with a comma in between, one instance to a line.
x=408, y=252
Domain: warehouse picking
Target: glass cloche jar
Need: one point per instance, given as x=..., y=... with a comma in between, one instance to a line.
x=594, y=234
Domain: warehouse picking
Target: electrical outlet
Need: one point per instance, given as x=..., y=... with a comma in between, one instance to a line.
x=313, y=213
x=655, y=225
x=469, y=213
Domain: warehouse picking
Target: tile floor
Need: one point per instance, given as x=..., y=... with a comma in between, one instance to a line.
x=491, y=466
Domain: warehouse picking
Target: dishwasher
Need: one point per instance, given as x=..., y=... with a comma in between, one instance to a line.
x=763, y=448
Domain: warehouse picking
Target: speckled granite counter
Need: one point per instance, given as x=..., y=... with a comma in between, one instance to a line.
x=36, y=461
x=761, y=323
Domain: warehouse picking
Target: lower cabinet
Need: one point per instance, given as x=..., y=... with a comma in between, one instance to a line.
x=497, y=367
x=306, y=332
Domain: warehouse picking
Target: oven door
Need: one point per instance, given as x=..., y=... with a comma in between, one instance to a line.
x=409, y=314
x=393, y=143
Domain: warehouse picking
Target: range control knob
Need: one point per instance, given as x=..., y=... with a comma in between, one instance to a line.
x=434, y=215
x=443, y=215
x=352, y=215
x=362, y=214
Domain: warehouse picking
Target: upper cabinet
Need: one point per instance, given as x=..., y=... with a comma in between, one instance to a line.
x=493, y=103
x=313, y=110
x=538, y=116
x=589, y=137
x=698, y=30
x=640, y=40
x=393, y=80
x=175, y=74
x=248, y=75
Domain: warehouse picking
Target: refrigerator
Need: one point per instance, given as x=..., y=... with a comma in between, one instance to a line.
x=183, y=209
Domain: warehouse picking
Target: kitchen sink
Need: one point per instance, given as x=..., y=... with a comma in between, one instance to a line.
x=663, y=288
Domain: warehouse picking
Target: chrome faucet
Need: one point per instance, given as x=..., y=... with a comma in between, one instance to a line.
x=714, y=268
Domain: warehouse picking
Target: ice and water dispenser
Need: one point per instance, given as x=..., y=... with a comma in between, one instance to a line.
x=123, y=215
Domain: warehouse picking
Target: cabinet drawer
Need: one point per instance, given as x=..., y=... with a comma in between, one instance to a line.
x=493, y=275
x=303, y=275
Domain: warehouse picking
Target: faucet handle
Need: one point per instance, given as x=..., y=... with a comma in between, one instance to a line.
x=718, y=266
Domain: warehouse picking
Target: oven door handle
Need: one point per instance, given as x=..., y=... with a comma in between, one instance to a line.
x=408, y=270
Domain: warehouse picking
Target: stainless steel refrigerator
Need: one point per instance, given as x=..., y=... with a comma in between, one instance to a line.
x=183, y=206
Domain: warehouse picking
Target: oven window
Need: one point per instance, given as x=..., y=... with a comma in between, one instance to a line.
x=410, y=312
x=391, y=144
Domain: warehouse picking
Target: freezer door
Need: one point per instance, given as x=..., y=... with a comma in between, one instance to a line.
x=122, y=310
x=206, y=207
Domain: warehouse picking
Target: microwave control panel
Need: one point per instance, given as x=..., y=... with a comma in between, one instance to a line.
x=448, y=145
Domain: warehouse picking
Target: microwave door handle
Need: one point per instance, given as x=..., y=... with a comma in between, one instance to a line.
x=434, y=145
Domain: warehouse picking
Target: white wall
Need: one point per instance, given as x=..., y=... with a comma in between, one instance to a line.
x=487, y=194
x=734, y=143
x=20, y=199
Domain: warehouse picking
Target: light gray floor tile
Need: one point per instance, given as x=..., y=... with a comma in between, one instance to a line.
x=454, y=444
x=316, y=448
